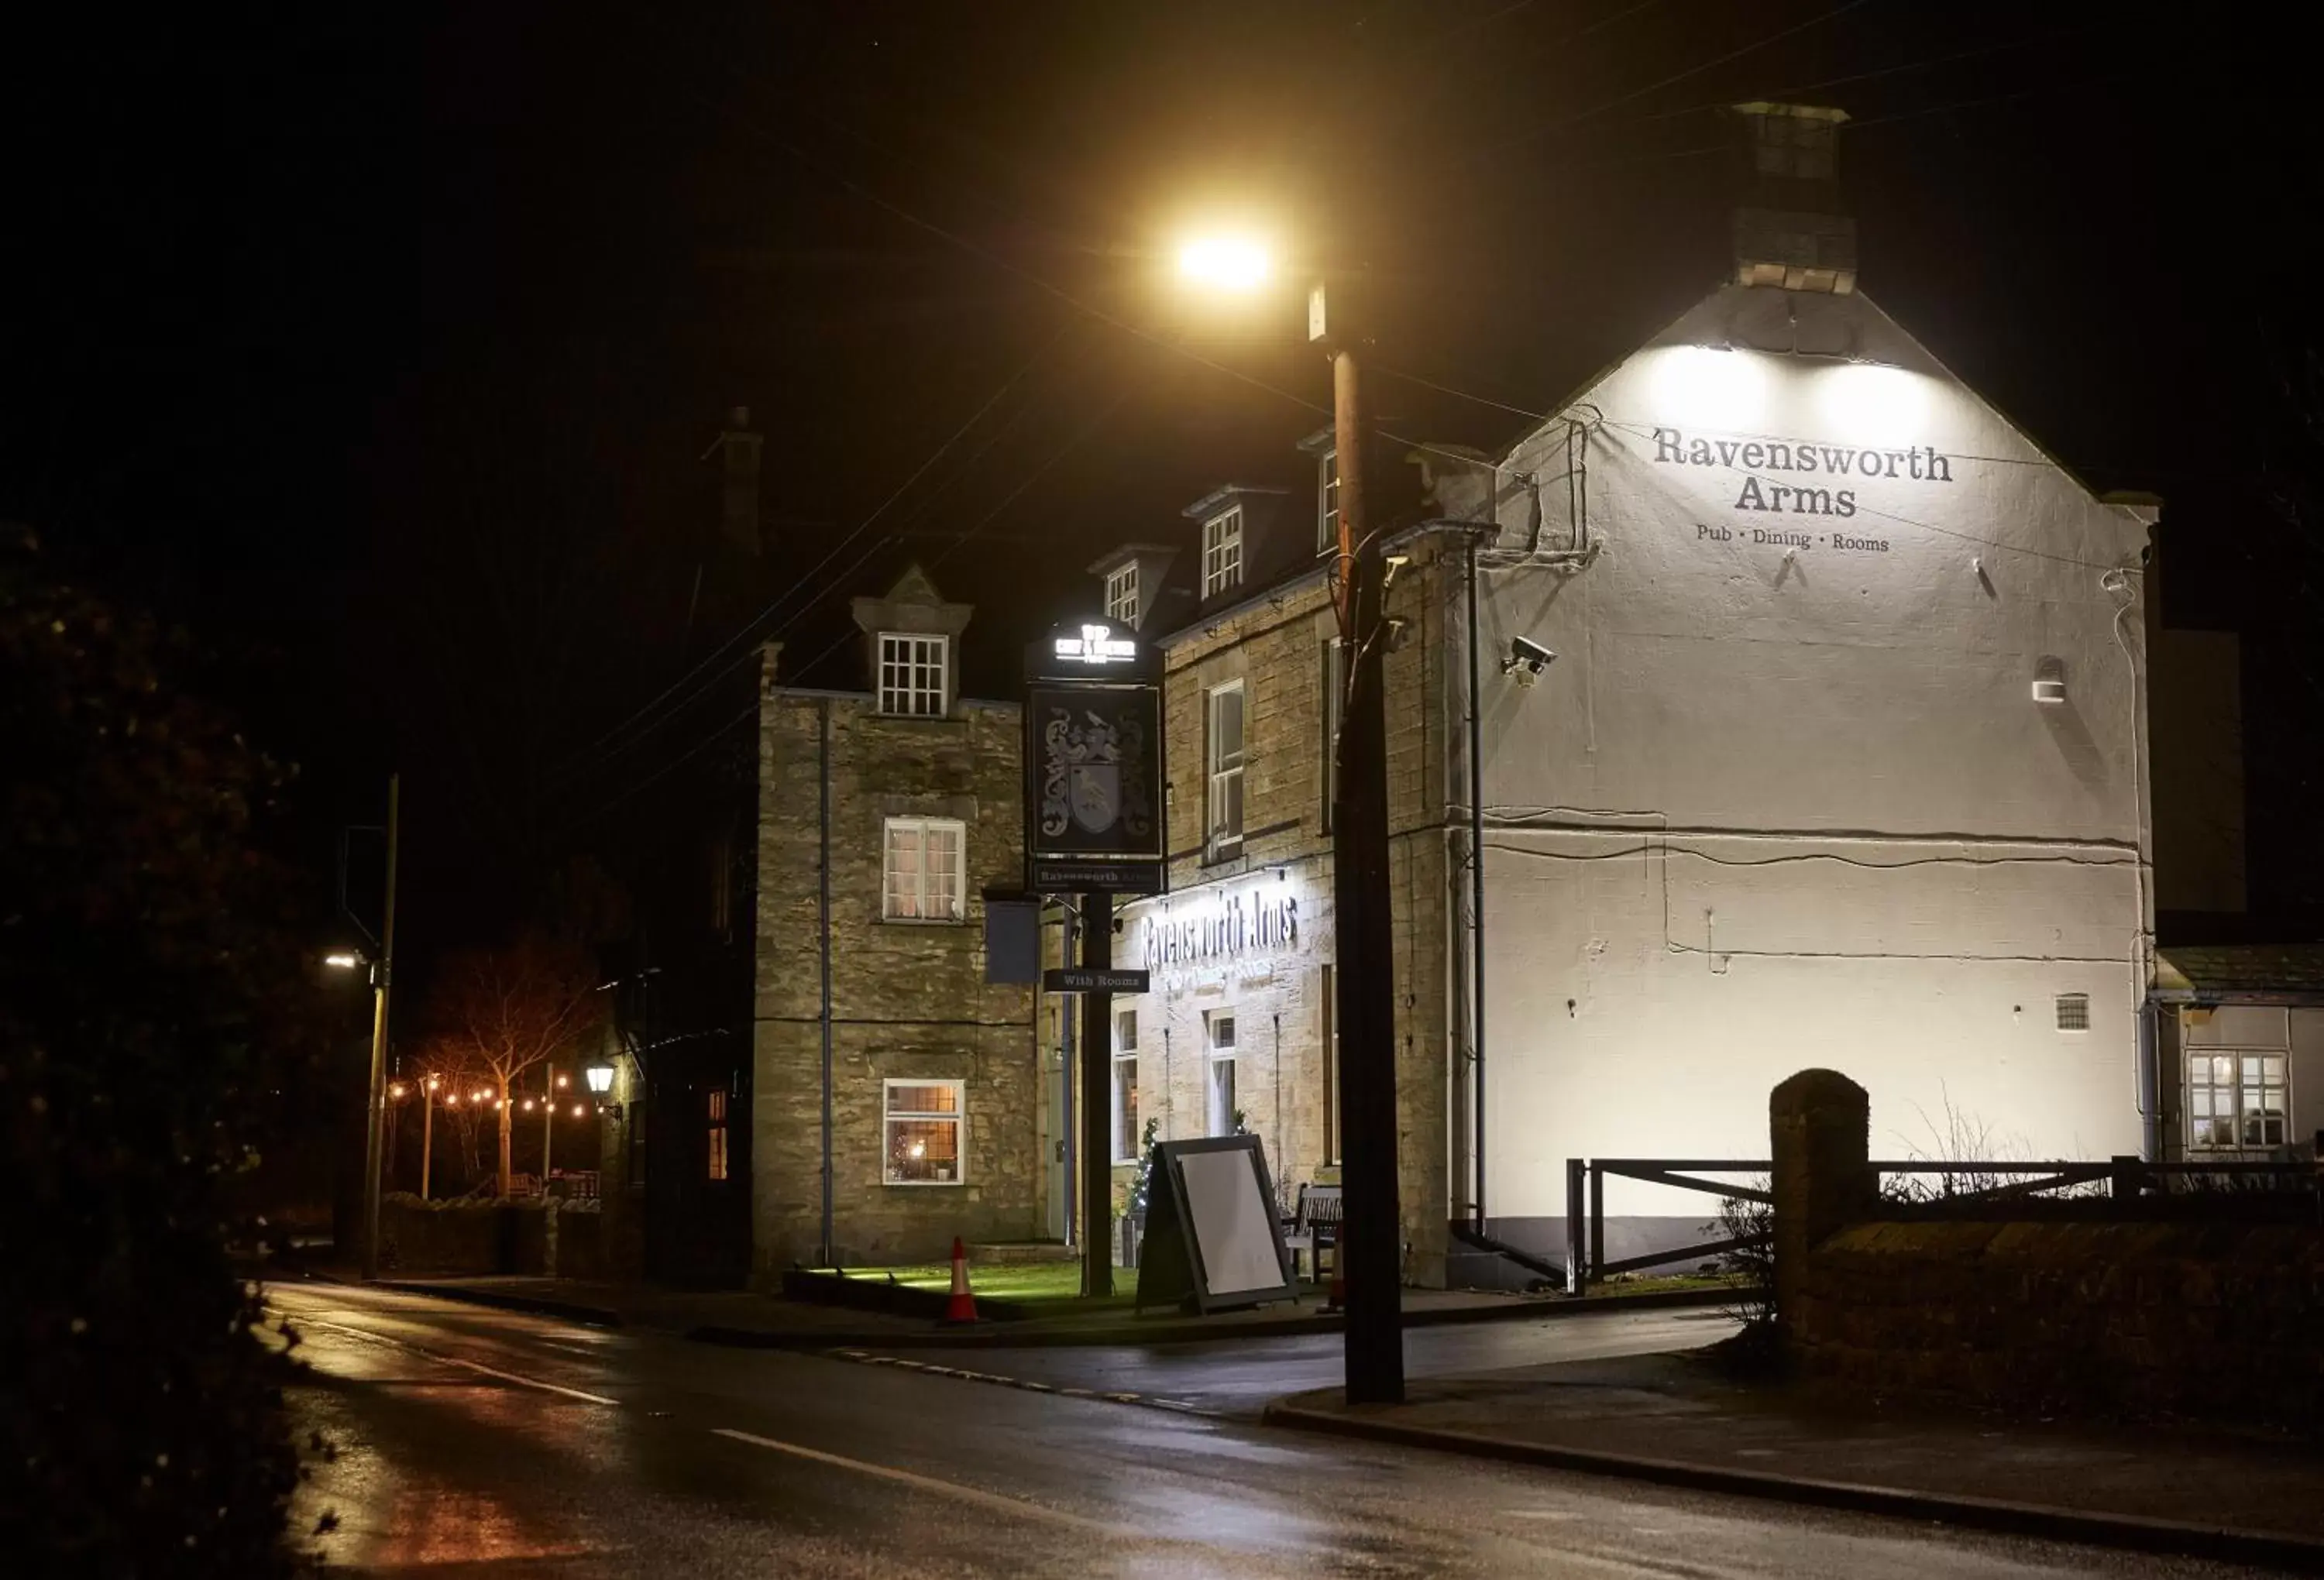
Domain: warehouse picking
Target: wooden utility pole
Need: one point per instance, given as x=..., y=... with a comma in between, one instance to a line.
x=1371, y=1235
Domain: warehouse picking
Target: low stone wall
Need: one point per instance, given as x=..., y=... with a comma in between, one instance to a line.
x=2218, y=1320
x=528, y=1236
x=2192, y=1318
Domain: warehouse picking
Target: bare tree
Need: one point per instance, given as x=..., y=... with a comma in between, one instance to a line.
x=500, y=1012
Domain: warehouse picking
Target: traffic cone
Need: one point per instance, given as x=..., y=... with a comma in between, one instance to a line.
x=963, y=1308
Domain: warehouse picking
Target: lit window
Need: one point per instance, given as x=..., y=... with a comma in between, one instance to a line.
x=1225, y=747
x=921, y=871
x=716, y=1148
x=912, y=675
x=1223, y=552
x=2073, y=1012
x=920, y=1132
x=1125, y=1086
x=1122, y=594
x=1327, y=501
x=1219, y=1030
x=2235, y=1100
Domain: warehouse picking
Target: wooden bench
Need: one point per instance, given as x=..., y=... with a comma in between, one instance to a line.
x=1315, y=1224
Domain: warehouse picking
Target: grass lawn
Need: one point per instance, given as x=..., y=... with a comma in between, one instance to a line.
x=1031, y=1281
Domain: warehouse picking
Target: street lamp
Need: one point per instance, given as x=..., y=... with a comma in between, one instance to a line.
x=1365, y=980
x=599, y=1077
x=1225, y=262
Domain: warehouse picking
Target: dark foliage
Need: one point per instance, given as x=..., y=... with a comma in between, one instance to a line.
x=149, y=980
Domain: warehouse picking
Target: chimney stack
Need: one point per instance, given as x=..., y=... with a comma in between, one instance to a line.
x=738, y=515
x=1791, y=230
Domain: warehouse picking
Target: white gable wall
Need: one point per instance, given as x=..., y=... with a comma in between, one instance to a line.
x=1786, y=799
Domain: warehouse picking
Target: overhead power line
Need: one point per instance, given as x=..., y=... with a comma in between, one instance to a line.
x=1676, y=77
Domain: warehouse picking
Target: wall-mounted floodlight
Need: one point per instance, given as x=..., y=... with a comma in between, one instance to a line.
x=1526, y=660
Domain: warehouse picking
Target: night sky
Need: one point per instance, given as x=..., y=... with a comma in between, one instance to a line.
x=382, y=349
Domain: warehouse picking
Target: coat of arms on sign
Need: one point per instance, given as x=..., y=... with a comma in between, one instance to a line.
x=1090, y=773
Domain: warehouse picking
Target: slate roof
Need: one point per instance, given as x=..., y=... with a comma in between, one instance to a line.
x=2241, y=971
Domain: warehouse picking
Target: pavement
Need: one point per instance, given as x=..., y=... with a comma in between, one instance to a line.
x=1679, y=1419
x=749, y=1319
x=467, y=1440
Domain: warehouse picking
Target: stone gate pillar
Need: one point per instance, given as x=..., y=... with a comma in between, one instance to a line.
x=1820, y=1126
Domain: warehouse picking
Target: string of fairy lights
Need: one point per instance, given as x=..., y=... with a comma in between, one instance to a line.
x=484, y=1096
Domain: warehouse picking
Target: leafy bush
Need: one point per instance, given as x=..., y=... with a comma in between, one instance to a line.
x=148, y=983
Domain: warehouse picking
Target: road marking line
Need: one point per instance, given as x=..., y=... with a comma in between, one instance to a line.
x=927, y=1483
x=456, y=1361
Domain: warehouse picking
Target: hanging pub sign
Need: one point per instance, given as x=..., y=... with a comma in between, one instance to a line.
x=1093, y=821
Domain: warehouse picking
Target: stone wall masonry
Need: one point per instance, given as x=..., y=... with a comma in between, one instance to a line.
x=2208, y=1319
x=909, y=999
x=1276, y=649
x=2215, y=1320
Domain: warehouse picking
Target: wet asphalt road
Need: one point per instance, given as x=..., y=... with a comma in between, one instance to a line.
x=475, y=1442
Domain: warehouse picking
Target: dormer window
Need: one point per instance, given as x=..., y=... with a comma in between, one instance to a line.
x=1223, y=552
x=1327, y=501
x=912, y=675
x=1122, y=594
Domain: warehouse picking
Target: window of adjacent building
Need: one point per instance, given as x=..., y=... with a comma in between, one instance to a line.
x=921, y=871
x=715, y=1149
x=912, y=675
x=1122, y=593
x=1333, y=681
x=1327, y=502
x=1219, y=1032
x=2073, y=1012
x=920, y=1132
x=1225, y=749
x=2236, y=1100
x=1327, y=1008
x=721, y=886
x=1125, y=1086
x=1223, y=552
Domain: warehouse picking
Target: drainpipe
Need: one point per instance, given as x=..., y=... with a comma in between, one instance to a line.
x=2150, y=1083
x=1476, y=899
x=1065, y=1027
x=823, y=930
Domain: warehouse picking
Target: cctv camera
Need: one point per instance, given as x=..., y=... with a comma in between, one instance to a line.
x=1526, y=660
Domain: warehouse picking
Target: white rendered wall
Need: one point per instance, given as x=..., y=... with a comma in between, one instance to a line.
x=1785, y=798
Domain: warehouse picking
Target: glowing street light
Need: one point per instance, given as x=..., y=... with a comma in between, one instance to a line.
x=1372, y=1336
x=1225, y=262
x=344, y=960
x=599, y=1077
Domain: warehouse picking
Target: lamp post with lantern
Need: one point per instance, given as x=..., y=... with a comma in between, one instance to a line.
x=1365, y=980
x=382, y=978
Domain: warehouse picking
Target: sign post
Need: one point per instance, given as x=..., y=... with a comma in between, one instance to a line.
x=1093, y=826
